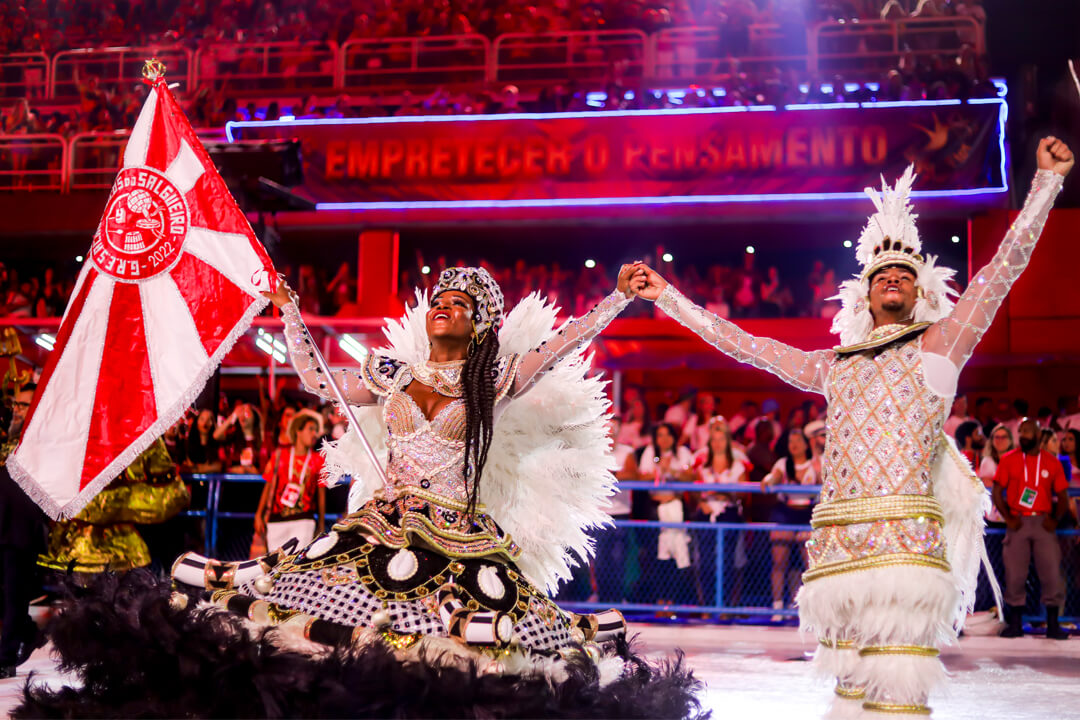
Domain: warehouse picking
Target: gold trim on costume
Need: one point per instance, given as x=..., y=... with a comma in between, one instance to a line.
x=874, y=509
x=871, y=563
x=856, y=693
x=895, y=709
x=919, y=650
x=884, y=340
x=838, y=645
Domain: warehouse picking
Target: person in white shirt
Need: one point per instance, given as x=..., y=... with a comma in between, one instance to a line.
x=679, y=412
x=635, y=421
x=720, y=463
x=695, y=432
x=795, y=469
x=665, y=461
x=958, y=415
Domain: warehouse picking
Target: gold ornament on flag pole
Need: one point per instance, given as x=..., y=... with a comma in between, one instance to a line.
x=153, y=69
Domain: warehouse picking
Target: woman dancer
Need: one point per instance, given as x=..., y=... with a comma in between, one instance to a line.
x=430, y=596
x=423, y=556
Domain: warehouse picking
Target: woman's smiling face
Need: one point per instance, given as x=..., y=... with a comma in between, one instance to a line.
x=450, y=316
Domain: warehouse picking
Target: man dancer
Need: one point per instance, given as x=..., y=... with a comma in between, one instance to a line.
x=880, y=592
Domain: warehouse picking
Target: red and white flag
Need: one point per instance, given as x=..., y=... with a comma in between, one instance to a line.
x=171, y=282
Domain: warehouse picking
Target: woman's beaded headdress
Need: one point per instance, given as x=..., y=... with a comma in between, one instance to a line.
x=478, y=284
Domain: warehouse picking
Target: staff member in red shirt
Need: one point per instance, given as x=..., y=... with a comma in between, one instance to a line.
x=1026, y=483
x=293, y=502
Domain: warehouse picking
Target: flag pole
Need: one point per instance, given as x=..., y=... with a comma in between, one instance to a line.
x=340, y=396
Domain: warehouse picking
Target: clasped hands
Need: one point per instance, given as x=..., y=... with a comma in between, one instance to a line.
x=639, y=279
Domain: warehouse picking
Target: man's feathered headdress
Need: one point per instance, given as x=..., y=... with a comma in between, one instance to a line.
x=891, y=238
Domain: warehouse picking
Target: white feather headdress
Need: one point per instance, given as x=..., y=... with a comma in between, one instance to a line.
x=549, y=471
x=891, y=238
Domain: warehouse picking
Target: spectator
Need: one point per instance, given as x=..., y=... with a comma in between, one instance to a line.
x=1049, y=442
x=1070, y=451
x=293, y=503
x=202, y=452
x=795, y=469
x=665, y=461
x=1001, y=442
x=815, y=432
x=634, y=422
x=1071, y=414
x=695, y=432
x=956, y=416
x=719, y=462
x=612, y=547
x=984, y=414
x=679, y=413
x=1027, y=484
x=970, y=440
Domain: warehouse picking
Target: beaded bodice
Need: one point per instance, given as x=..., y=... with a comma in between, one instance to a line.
x=884, y=429
x=883, y=425
x=424, y=454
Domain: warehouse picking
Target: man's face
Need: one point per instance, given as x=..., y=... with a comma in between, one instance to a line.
x=19, y=407
x=978, y=440
x=892, y=291
x=1028, y=435
x=817, y=442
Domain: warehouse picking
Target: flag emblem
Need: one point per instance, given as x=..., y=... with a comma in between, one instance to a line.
x=143, y=228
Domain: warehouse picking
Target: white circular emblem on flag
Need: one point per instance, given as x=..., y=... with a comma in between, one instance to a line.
x=143, y=228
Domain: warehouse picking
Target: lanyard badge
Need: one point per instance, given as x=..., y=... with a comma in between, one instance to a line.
x=1029, y=493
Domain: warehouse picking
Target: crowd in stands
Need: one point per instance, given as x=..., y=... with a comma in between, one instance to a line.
x=737, y=292
x=25, y=295
x=52, y=25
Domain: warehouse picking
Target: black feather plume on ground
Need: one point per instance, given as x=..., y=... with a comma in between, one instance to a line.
x=138, y=656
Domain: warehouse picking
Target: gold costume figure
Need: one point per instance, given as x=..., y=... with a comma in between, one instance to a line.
x=103, y=535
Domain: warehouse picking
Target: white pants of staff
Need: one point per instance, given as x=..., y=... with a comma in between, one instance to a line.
x=280, y=532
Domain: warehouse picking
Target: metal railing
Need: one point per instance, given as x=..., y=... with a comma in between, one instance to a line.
x=269, y=66
x=879, y=44
x=584, y=55
x=602, y=55
x=735, y=568
x=404, y=62
x=32, y=162
x=94, y=158
x=24, y=75
x=114, y=67
x=700, y=53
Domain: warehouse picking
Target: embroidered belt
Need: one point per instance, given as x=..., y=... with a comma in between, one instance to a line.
x=870, y=563
x=872, y=509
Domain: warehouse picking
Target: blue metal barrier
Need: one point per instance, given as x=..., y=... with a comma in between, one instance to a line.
x=734, y=567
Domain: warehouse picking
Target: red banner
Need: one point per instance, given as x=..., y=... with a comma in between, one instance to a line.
x=705, y=154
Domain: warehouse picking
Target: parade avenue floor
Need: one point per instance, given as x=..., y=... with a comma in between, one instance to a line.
x=759, y=672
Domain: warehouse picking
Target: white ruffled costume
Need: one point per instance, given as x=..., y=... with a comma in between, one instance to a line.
x=897, y=538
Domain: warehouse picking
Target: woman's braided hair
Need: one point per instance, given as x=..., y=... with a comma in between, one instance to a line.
x=480, y=372
x=478, y=386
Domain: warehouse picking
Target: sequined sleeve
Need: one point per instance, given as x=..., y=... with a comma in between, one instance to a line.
x=956, y=335
x=804, y=370
x=575, y=333
x=302, y=355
